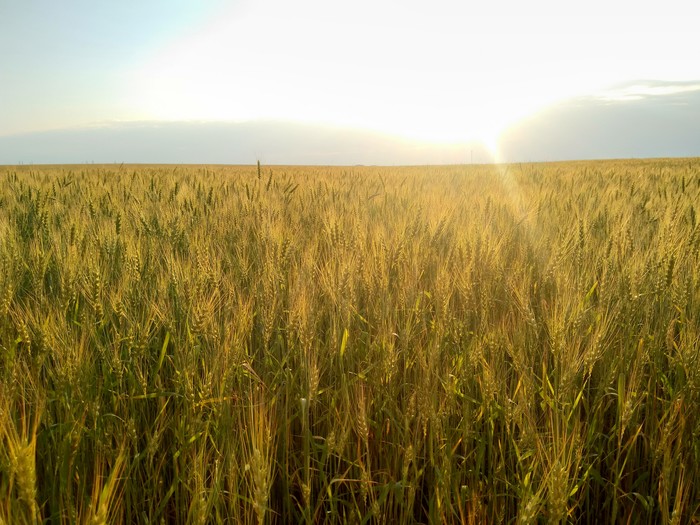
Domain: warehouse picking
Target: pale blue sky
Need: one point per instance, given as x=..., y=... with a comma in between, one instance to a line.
x=444, y=71
x=66, y=63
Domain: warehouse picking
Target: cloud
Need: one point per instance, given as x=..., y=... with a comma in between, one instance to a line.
x=640, y=119
x=647, y=89
x=271, y=142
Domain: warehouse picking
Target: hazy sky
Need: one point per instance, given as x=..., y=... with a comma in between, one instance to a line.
x=440, y=70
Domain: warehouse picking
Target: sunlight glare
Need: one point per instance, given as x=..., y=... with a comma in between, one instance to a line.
x=369, y=67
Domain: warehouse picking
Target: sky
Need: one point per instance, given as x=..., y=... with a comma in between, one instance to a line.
x=436, y=77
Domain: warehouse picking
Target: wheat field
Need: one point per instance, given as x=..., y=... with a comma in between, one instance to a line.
x=255, y=344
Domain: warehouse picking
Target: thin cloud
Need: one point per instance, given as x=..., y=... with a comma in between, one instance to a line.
x=645, y=89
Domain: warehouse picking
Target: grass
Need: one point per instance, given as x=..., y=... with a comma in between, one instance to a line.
x=482, y=344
